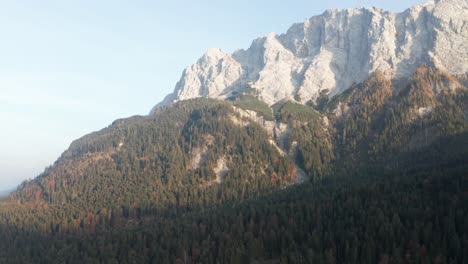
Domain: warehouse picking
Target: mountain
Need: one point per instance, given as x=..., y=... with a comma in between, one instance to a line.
x=208, y=181
x=203, y=152
x=372, y=172
x=333, y=51
x=189, y=155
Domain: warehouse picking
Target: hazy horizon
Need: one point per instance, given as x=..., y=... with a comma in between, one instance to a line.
x=69, y=69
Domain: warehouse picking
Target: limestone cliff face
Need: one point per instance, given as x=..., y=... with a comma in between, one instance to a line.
x=334, y=50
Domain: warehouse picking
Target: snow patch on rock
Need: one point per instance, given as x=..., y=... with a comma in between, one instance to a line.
x=281, y=132
x=248, y=116
x=198, y=157
x=424, y=111
x=221, y=169
x=301, y=176
x=341, y=109
x=199, y=154
x=281, y=151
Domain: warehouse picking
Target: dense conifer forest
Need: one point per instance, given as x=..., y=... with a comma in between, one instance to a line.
x=204, y=181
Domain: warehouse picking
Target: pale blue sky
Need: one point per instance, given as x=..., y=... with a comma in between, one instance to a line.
x=68, y=68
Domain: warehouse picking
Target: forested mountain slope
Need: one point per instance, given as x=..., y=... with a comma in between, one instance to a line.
x=207, y=181
x=192, y=154
x=417, y=215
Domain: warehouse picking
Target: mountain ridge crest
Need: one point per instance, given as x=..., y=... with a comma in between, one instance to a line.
x=332, y=51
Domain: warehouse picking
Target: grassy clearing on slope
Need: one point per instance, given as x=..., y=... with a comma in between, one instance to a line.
x=293, y=111
x=250, y=102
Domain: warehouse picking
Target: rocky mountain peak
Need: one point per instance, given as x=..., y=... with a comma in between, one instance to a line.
x=333, y=51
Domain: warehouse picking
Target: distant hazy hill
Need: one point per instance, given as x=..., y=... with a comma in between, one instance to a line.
x=4, y=193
